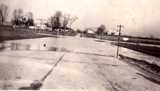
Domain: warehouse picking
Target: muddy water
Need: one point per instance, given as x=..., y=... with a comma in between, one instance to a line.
x=14, y=71
x=61, y=44
x=41, y=44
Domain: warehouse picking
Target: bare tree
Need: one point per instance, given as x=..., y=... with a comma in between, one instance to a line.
x=57, y=19
x=100, y=30
x=17, y=16
x=53, y=22
x=22, y=19
x=68, y=20
x=62, y=21
x=29, y=19
x=3, y=13
x=72, y=20
x=30, y=15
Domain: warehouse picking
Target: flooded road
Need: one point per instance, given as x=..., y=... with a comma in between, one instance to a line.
x=88, y=64
x=66, y=44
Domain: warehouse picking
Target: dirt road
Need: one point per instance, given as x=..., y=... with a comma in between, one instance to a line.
x=87, y=64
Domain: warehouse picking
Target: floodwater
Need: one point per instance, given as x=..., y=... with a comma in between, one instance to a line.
x=39, y=44
x=30, y=45
x=71, y=44
x=61, y=44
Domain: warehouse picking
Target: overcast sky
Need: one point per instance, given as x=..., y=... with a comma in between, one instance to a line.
x=140, y=17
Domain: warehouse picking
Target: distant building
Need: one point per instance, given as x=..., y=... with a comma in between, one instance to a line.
x=40, y=24
x=89, y=32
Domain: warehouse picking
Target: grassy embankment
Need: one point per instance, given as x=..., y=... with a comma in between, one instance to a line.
x=145, y=45
x=10, y=33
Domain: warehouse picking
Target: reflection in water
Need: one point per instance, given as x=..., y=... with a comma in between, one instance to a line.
x=53, y=49
x=56, y=45
x=2, y=47
x=16, y=46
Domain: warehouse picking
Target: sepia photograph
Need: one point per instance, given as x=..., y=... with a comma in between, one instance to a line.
x=80, y=45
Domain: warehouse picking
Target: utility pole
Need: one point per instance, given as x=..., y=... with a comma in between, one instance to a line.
x=119, y=35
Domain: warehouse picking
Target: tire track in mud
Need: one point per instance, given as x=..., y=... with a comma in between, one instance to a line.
x=114, y=86
x=147, y=70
